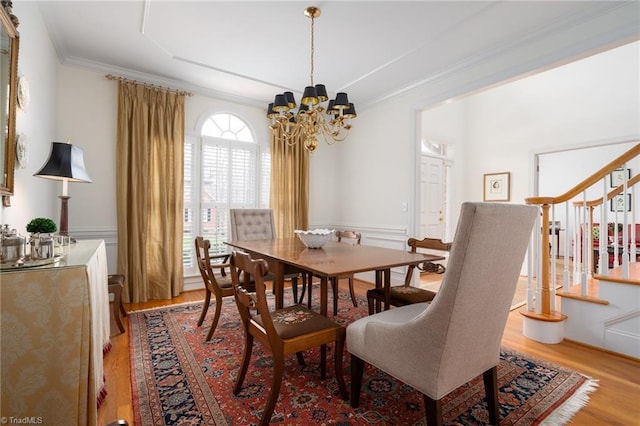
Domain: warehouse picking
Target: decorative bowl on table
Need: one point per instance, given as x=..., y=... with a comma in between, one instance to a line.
x=314, y=238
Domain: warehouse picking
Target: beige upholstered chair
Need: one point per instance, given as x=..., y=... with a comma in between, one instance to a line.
x=437, y=347
x=407, y=294
x=277, y=332
x=258, y=224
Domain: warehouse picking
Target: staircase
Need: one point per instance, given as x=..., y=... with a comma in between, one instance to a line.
x=600, y=291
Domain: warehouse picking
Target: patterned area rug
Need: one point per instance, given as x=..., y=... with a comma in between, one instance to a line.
x=178, y=379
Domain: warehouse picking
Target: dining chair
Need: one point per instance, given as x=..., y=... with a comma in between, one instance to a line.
x=218, y=284
x=407, y=294
x=348, y=237
x=438, y=346
x=115, y=286
x=258, y=224
x=285, y=331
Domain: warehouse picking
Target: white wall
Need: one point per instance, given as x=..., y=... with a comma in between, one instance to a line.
x=593, y=100
x=35, y=197
x=361, y=182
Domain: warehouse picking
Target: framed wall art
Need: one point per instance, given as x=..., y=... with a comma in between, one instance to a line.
x=497, y=186
x=617, y=177
x=618, y=205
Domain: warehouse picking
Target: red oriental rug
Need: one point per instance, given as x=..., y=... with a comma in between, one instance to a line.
x=179, y=379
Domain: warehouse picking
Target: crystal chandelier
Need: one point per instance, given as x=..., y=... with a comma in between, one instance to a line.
x=311, y=119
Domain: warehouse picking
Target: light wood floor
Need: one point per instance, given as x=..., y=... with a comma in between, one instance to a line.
x=615, y=402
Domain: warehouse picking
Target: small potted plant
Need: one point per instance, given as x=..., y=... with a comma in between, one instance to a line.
x=41, y=225
x=41, y=229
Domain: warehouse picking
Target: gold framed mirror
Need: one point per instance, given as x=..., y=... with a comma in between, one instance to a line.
x=9, y=42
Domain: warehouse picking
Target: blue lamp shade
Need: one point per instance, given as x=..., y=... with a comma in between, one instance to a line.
x=65, y=162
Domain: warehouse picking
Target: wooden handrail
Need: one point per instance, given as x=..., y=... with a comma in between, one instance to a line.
x=615, y=191
x=582, y=186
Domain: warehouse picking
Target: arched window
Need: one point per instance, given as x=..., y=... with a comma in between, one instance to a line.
x=224, y=168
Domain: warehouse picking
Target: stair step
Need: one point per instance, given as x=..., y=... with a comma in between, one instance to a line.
x=576, y=295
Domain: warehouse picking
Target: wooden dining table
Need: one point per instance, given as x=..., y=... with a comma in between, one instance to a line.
x=334, y=259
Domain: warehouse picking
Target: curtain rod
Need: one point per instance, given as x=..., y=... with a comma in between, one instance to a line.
x=149, y=85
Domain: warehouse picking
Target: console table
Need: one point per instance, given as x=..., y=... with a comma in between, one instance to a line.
x=54, y=328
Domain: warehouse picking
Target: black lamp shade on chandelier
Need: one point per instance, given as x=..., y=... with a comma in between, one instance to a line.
x=311, y=119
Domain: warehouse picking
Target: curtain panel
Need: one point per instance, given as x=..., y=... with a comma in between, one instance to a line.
x=149, y=180
x=289, y=185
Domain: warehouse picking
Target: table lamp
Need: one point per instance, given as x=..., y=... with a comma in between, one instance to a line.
x=65, y=163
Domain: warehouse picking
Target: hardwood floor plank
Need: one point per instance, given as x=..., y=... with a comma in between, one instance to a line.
x=615, y=402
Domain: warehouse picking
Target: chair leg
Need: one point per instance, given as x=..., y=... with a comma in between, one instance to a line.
x=370, y=302
x=216, y=318
x=205, y=306
x=117, y=306
x=342, y=387
x=357, y=370
x=278, y=372
x=490, y=378
x=246, y=357
x=433, y=411
x=300, y=357
x=353, y=293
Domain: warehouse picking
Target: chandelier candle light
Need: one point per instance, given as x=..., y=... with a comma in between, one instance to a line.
x=311, y=118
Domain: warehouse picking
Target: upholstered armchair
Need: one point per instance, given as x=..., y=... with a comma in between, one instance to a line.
x=438, y=346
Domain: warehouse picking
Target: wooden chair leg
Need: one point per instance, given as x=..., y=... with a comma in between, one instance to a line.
x=334, y=287
x=244, y=366
x=117, y=305
x=300, y=357
x=216, y=318
x=433, y=411
x=357, y=370
x=205, y=306
x=353, y=293
x=490, y=378
x=342, y=387
x=371, y=303
x=278, y=372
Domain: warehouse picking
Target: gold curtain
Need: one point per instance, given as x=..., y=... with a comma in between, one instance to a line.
x=149, y=179
x=289, y=185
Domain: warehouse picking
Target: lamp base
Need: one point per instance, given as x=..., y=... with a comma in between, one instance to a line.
x=64, y=215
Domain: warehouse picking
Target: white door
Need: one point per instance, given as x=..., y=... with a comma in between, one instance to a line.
x=432, y=209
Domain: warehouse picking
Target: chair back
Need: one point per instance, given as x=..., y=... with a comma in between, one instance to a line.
x=252, y=224
x=251, y=299
x=351, y=236
x=204, y=263
x=458, y=336
x=429, y=244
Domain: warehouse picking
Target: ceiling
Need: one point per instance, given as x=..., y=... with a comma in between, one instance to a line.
x=248, y=51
